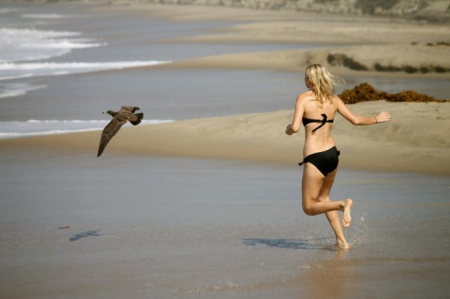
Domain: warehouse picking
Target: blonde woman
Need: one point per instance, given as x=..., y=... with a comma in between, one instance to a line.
x=316, y=109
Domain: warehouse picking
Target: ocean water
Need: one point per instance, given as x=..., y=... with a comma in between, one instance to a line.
x=62, y=65
x=29, y=42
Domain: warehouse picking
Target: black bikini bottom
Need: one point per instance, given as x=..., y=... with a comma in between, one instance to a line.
x=325, y=162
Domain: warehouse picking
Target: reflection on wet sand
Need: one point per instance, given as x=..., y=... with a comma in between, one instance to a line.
x=325, y=278
x=330, y=278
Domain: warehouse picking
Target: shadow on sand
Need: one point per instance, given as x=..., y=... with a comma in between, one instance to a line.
x=285, y=243
x=85, y=235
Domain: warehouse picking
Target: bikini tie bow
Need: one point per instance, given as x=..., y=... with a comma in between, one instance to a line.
x=323, y=122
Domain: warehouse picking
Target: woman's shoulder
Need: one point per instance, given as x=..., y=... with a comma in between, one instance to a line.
x=336, y=97
x=306, y=96
x=336, y=100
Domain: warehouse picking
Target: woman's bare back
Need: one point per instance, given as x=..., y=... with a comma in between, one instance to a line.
x=318, y=139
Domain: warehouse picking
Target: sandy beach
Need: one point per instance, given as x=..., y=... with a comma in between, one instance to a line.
x=209, y=205
x=383, y=41
x=399, y=146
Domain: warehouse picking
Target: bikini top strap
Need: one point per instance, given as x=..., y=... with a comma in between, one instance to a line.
x=323, y=122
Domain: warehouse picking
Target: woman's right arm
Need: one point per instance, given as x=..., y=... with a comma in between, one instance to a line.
x=361, y=120
x=298, y=114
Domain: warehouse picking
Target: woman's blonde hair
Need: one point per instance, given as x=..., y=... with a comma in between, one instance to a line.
x=323, y=82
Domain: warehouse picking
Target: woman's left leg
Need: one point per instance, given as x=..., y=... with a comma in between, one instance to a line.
x=316, y=190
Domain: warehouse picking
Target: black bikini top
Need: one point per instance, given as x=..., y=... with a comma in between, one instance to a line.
x=324, y=120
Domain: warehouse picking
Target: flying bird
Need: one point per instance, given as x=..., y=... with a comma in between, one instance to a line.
x=120, y=118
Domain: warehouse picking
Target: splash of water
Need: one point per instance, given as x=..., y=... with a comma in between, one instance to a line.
x=357, y=236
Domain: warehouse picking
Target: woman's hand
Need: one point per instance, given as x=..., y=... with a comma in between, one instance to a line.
x=288, y=130
x=383, y=116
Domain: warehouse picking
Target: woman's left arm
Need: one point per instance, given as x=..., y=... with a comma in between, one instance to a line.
x=298, y=114
x=361, y=120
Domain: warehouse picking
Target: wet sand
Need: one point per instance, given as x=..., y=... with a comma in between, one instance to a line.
x=142, y=227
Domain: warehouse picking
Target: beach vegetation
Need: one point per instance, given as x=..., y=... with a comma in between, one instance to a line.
x=410, y=69
x=389, y=68
x=440, y=69
x=424, y=69
x=325, y=1
x=344, y=60
x=365, y=92
x=369, y=6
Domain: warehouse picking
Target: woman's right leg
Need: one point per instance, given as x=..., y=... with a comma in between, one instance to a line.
x=333, y=216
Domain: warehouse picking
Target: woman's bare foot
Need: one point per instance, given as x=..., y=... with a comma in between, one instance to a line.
x=340, y=245
x=347, y=218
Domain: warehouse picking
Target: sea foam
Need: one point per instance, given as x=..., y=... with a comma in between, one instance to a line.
x=20, y=70
x=44, y=16
x=18, y=89
x=20, y=46
x=32, y=127
x=7, y=10
x=31, y=44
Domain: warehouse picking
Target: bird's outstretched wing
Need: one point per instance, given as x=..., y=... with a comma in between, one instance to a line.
x=135, y=119
x=108, y=133
x=129, y=108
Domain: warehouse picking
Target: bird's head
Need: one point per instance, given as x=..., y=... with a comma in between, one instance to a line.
x=110, y=112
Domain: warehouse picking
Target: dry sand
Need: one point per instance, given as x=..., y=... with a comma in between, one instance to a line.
x=415, y=141
x=366, y=40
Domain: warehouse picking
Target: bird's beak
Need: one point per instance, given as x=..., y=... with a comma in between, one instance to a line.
x=104, y=112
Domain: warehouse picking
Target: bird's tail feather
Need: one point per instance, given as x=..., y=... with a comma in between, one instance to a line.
x=140, y=116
